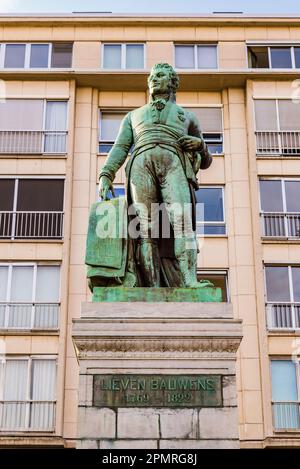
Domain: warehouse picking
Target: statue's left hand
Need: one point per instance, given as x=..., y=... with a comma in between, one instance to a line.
x=190, y=143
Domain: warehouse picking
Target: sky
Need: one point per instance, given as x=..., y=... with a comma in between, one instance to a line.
x=150, y=6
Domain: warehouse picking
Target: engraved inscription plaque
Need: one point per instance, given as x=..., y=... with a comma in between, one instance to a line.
x=124, y=390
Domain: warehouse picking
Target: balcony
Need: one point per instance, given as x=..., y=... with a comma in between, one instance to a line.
x=31, y=142
x=281, y=225
x=32, y=316
x=286, y=415
x=27, y=416
x=31, y=225
x=283, y=315
x=278, y=143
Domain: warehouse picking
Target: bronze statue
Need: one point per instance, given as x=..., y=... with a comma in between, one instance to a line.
x=168, y=151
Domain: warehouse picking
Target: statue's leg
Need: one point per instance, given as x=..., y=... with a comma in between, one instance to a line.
x=144, y=193
x=177, y=199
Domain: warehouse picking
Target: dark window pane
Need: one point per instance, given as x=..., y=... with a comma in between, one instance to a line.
x=297, y=57
x=277, y=281
x=14, y=56
x=258, y=57
x=219, y=281
x=40, y=195
x=281, y=57
x=209, y=204
x=7, y=188
x=271, y=196
x=62, y=55
x=292, y=193
x=39, y=56
x=296, y=283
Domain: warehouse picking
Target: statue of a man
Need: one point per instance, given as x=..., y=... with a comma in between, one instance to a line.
x=168, y=151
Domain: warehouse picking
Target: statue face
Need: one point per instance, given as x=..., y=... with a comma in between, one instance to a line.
x=159, y=82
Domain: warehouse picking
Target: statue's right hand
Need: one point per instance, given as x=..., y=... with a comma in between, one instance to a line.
x=105, y=186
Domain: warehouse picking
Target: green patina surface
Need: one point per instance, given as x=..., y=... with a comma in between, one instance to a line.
x=152, y=295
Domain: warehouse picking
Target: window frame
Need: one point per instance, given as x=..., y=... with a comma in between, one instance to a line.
x=278, y=131
x=269, y=45
x=43, y=129
x=108, y=111
x=33, y=301
x=222, y=134
x=123, y=55
x=216, y=272
x=217, y=223
x=29, y=358
x=285, y=212
x=195, y=45
x=291, y=302
x=296, y=361
x=15, y=199
x=28, y=55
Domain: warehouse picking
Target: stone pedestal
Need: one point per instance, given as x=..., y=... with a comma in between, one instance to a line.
x=186, y=350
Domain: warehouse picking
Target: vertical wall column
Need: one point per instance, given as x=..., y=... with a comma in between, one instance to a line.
x=241, y=258
x=83, y=194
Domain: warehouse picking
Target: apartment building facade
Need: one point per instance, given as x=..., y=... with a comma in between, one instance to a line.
x=66, y=83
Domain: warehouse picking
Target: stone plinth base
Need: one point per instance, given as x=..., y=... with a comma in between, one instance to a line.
x=150, y=295
x=125, y=345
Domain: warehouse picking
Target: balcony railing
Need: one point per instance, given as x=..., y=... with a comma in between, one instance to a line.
x=278, y=143
x=33, y=141
x=283, y=316
x=281, y=225
x=34, y=225
x=27, y=416
x=29, y=316
x=286, y=415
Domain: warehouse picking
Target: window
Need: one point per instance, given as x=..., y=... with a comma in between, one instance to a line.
x=109, y=125
x=258, y=57
x=211, y=125
x=280, y=209
x=277, y=127
x=218, y=278
x=210, y=211
x=27, y=394
x=29, y=296
x=283, y=297
x=31, y=208
x=123, y=56
x=44, y=55
x=273, y=56
x=61, y=56
x=44, y=133
x=196, y=56
x=285, y=394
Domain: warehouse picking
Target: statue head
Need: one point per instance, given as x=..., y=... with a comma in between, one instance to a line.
x=163, y=80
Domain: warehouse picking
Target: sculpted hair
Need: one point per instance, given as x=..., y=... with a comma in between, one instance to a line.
x=172, y=74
